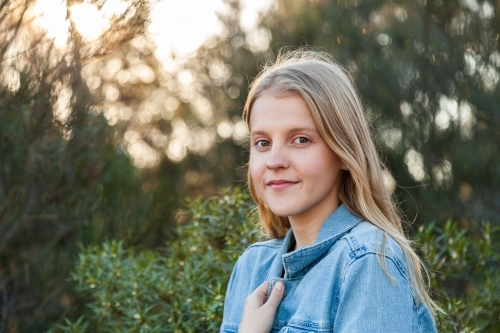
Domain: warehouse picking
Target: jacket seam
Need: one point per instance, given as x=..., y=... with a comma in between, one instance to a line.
x=271, y=245
x=358, y=250
x=348, y=265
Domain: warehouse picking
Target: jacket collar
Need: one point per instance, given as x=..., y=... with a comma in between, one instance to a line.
x=299, y=261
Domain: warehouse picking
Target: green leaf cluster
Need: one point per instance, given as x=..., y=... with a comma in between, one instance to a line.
x=182, y=288
x=464, y=275
x=64, y=179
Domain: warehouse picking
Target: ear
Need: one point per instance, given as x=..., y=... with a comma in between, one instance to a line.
x=344, y=166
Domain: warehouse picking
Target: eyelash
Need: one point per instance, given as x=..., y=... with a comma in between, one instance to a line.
x=259, y=143
x=301, y=143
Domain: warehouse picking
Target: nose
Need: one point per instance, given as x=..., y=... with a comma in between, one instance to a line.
x=277, y=159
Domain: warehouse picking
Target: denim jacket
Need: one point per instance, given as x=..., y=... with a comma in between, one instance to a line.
x=333, y=285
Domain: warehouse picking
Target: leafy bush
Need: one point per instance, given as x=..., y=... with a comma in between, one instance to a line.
x=182, y=290
x=64, y=179
x=60, y=186
x=464, y=275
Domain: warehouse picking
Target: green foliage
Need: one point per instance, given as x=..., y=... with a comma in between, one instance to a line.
x=79, y=326
x=183, y=289
x=60, y=186
x=64, y=181
x=464, y=274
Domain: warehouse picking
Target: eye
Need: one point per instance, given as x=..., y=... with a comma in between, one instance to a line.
x=301, y=140
x=262, y=143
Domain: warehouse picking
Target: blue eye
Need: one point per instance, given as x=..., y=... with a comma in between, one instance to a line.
x=301, y=140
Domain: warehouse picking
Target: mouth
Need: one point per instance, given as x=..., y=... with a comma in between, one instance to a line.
x=280, y=184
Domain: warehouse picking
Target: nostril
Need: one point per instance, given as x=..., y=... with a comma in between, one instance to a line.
x=276, y=161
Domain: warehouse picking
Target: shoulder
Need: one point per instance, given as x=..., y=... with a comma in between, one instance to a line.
x=368, y=238
x=271, y=243
x=268, y=247
x=262, y=249
x=250, y=271
x=258, y=257
x=367, y=242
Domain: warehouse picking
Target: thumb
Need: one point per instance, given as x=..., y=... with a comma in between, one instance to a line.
x=258, y=297
x=276, y=295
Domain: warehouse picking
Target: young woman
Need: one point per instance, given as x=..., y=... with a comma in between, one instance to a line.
x=338, y=260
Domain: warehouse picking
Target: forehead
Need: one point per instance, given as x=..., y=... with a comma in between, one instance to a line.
x=275, y=111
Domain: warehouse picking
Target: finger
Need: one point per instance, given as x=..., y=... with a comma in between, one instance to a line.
x=276, y=295
x=258, y=297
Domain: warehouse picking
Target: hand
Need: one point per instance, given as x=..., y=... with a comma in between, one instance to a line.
x=258, y=315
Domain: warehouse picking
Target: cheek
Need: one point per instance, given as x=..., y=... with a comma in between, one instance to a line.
x=326, y=170
x=257, y=169
x=255, y=163
x=332, y=161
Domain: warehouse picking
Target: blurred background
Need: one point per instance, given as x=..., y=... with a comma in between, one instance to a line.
x=112, y=111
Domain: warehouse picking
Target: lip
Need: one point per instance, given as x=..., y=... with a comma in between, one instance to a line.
x=280, y=184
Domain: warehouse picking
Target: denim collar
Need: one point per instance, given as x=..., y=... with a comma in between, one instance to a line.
x=298, y=262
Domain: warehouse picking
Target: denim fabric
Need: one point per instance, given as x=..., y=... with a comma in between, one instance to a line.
x=334, y=285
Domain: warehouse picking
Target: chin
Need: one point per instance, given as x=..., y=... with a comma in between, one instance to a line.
x=282, y=212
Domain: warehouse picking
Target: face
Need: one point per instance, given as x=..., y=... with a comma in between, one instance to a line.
x=294, y=171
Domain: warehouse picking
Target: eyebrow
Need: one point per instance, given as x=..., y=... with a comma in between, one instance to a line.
x=292, y=130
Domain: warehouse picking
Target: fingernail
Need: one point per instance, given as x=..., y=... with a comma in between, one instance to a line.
x=279, y=285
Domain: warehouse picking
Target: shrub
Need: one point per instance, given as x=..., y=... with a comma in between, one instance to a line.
x=182, y=290
x=464, y=275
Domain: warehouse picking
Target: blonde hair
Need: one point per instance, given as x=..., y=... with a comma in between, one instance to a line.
x=338, y=114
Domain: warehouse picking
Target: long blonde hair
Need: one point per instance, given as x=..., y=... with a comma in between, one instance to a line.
x=338, y=114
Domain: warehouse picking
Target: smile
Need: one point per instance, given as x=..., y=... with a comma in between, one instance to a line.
x=280, y=184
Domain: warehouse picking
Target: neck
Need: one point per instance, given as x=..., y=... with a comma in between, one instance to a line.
x=306, y=228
